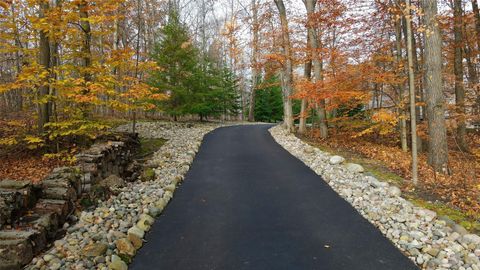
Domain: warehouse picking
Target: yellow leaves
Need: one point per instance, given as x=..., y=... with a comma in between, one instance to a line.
x=33, y=142
x=158, y=97
x=383, y=122
x=3, y=4
x=384, y=116
x=476, y=152
x=63, y=156
x=8, y=141
x=84, y=128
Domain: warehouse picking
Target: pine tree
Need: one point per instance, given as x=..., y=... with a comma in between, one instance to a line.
x=194, y=83
x=269, y=102
x=178, y=61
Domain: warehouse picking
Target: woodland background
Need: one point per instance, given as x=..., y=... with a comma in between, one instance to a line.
x=347, y=75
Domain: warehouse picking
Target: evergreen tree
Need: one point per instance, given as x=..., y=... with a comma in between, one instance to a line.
x=268, y=102
x=193, y=86
x=178, y=61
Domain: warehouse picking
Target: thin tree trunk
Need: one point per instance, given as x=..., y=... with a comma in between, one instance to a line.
x=437, y=147
x=411, y=84
x=87, y=41
x=308, y=76
x=255, y=71
x=287, y=76
x=458, y=72
x=401, y=88
x=44, y=61
x=18, y=57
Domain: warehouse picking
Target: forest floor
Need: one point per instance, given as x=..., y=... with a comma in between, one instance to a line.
x=20, y=161
x=456, y=195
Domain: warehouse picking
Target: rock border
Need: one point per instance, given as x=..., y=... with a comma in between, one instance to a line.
x=431, y=242
x=109, y=236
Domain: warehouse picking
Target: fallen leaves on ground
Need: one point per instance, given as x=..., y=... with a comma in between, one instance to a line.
x=460, y=189
x=27, y=167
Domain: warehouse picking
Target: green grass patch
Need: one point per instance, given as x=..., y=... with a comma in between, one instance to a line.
x=149, y=146
x=442, y=209
x=113, y=122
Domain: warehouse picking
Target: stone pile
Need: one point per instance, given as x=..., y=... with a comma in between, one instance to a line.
x=104, y=159
x=109, y=236
x=430, y=241
x=33, y=215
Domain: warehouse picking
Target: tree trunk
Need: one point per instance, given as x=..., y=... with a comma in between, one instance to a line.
x=420, y=97
x=437, y=147
x=86, y=59
x=308, y=76
x=287, y=76
x=18, y=60
x=87, y=41
x=255, y=71
x=317, y=65
x=411, y=84
x=44, y=61
x=401, y=88
x=458, y=72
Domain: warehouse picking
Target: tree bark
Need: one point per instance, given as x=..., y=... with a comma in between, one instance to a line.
x=458, y=72
x=44, y=61
x=287, y=74
x=411, y=84
x=308, y=76
x=437, y=147
x=255, y=70
x=87, y=40
x=401, y=88
x=317, y=65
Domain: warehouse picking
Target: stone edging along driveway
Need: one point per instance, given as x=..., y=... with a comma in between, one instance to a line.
x=109, y=236
x=427, y=240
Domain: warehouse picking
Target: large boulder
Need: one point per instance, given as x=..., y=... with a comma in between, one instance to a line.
x=355, y=168
x=15, y=253
x=113, y=181
x=336, y=160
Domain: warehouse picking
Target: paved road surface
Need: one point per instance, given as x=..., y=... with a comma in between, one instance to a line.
x=247, y=203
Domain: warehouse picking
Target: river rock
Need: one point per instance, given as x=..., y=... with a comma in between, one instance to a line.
x=94, y=250
x=117, y=263
x=355, y=168
x=336, y=160
x=124, y=246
